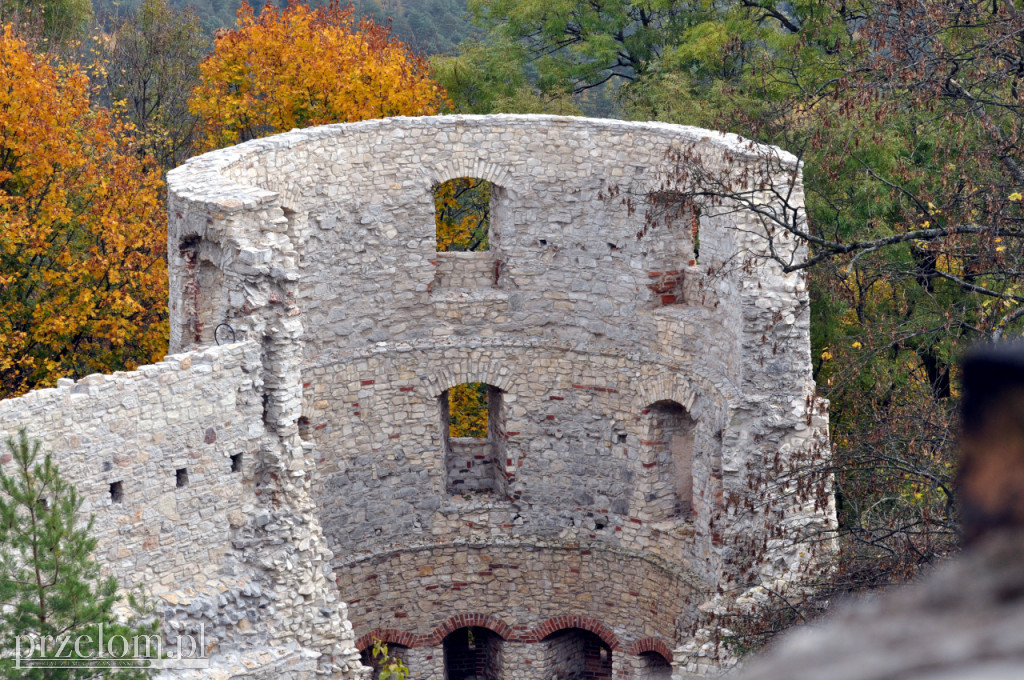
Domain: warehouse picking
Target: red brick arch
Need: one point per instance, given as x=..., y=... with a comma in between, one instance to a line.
x=387, y=636
x=491, y=623
x=562, y=622
x=650, y=644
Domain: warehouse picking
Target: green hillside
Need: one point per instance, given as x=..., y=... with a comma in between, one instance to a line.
x=427, y=26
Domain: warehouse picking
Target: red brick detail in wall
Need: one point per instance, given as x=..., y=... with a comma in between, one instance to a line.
x=666, y=286
x=650, y=644
x=491, y=623
x=518, y=634
x=562, y=622
x=387, y=636
x=595, y=388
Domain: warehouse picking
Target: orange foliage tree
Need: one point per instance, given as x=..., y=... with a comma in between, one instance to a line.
x=83, y=279
x=297, y=67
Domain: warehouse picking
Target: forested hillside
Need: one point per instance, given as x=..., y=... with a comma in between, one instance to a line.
x=426, y=26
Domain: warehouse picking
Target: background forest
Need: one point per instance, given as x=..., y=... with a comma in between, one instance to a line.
x=426, y=26
x=906, y=114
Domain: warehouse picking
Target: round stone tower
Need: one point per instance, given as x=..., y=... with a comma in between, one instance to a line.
x=646, y=365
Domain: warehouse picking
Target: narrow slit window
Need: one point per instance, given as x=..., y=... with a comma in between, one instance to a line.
x=116, y=492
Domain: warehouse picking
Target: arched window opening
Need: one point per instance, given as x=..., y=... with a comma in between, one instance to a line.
x=574, y=654
x=395, y=651
x=462, y=213
x=673, y=222
x=202, y=284
x=473, y=437
x=653, y=666
x=472, y=654
x=670, y=440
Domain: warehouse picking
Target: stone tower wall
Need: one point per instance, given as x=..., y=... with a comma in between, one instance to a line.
x=588, y=312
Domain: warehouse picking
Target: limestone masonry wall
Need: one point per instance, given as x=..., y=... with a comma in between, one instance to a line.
x=192, y=412
x=646, y=398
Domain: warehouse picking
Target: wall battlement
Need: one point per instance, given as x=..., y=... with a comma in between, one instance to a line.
x=637, y=381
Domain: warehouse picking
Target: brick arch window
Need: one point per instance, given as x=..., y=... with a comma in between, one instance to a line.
x=473, y=439
x=472, y=652
x=395, y=651
x=669, y=460
x=653, y=666
x=573, y=654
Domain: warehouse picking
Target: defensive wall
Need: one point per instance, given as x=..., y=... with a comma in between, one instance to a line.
x=645, y=398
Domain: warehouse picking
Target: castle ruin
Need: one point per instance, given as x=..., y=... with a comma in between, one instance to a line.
x=286, y=476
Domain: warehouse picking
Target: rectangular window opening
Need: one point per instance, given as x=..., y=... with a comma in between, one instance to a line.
x=116, y=492
x=236, y=462
x=181, y=477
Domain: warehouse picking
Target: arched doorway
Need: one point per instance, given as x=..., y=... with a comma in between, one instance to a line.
x=472, y=653
x=653, y=666
x=575, y=654
x=394, y=651
x=668, y=490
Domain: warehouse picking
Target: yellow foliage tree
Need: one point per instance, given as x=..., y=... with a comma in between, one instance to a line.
x=297, y=67
x=462, y=209
x=467, y=409
x=83, y=276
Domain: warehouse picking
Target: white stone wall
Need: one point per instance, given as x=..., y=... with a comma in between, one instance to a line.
x=192, y=411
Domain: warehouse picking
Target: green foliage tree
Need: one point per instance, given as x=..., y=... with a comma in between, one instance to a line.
x=153, y=57
x=493, y=77
x=907, y=117
x=426, y=26
x=59, y=21
x=387, y=666
x=907, y=121
x=583, y=44
x=50, y=585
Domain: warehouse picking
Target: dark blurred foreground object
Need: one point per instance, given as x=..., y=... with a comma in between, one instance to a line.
x=965, y=620
x=991, y=479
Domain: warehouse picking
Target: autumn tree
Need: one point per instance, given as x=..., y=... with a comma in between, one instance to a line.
x=462, y=212
x=297, y=67
x=83, y=279
x=467, y=409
